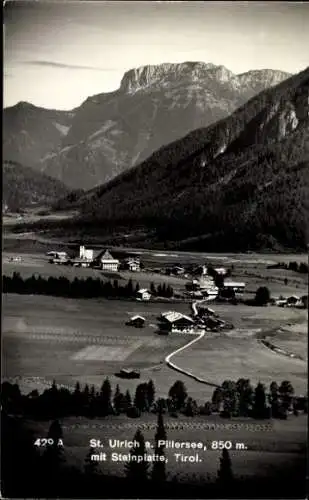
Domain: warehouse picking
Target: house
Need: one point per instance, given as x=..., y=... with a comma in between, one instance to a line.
x=132, y=264
x=128, y=373
x=199, y=284
x=281, y=302
x=143, y=294
x=80, y=262
x=221, y=270
x=237, y=287
x=106, y=261
x=85, y=253
x=137, y=321
x=304, y=300
x=292, y=301
x=57, y=255
x=210, y=293
x=178, y=270
x=175, y=322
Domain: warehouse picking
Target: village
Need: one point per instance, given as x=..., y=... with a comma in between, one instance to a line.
x=202, y=282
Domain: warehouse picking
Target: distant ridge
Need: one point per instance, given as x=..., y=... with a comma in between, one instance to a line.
x=112, y=132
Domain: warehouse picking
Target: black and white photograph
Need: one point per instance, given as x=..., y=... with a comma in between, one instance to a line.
x=155, y=209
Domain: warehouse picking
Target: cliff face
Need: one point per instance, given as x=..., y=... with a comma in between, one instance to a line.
x=110, y=133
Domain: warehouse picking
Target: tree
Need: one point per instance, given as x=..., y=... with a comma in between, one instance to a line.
x=117, y=400
x=160, y=432
x=273, y=398
x=245, y=397
x=217, y=399
x=55, y=431
x=53, y=458
x=178, y=394
x=152, y=289
x=262, y=296
x=136, y=468
x=158, y=469
x=191, y=408
x=259, y=406
x=90, y=466
x=128, y=399
x=77, y=399
x=286, y=392
x=230, y=397
x=225, y=473
x=141, y=397
x=105, y=398
x=130, y=288
x=150, y=393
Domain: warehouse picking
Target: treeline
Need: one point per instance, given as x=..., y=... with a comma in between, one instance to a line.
x=232, y=399
x=301, y=267
x=78, y=288
x=23, y=186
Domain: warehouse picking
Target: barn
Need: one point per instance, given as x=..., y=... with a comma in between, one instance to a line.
x=175, y=322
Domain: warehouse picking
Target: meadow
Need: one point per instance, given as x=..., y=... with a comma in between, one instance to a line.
x=46, y=338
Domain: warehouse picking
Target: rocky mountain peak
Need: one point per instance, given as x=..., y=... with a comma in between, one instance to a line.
x=146, y=76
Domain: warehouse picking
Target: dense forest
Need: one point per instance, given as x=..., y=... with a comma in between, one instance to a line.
x=24, y=187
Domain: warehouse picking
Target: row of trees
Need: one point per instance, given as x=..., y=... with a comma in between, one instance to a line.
x=161, y=290
x=240, y=399
x=237, y=399
x=298, y=267
x=78, y=288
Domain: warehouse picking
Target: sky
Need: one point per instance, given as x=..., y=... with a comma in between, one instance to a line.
x=56, y=54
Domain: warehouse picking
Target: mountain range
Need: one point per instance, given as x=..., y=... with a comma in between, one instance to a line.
x=112, y=132
x=241, y=183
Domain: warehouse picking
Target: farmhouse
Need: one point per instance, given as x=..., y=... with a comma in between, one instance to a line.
x=143, y=294
x=221, y=270
x=175, y=322
x=237, y=287
x=137, y=321
x=132, y=264
x=58, y=255
x=106, y=261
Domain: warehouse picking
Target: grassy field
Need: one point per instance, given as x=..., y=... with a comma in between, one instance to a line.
x=266, y=448
x=46, y=338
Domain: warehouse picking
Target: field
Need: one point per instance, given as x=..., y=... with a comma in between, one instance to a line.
x=68, y=340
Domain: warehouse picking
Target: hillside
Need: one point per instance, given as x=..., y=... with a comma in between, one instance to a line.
x=242, y=183
x=109, y=133
x=31, y=133
x=23, y=187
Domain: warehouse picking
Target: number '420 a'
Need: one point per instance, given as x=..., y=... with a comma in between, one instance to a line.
x=48, y=442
